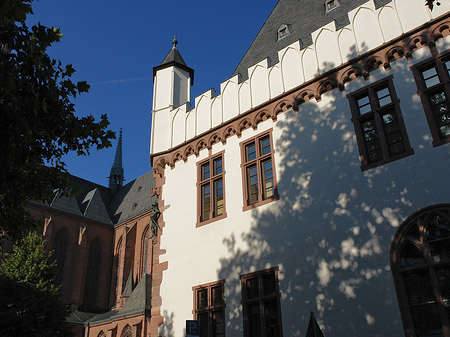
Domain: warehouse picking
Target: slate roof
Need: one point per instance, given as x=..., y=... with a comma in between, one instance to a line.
x=98, y=202
x=302, y=18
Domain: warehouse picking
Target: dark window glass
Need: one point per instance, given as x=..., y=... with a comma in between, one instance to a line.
x=210, y=309
x=261, y=304
x=380, y=130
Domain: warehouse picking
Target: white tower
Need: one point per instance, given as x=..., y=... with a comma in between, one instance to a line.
x=172, y=81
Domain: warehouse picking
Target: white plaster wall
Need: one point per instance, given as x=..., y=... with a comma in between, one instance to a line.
x=162, y=89
x=368, y=28
x=331, y=230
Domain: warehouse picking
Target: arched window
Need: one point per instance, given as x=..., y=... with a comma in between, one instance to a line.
x=144, y=252
x=126, y=332
x=92, y=273
x=420, y=261
x=116, y=271
x=60, y=244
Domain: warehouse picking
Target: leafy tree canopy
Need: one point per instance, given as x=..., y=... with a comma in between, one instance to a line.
x=38, y=121
x=29, y=299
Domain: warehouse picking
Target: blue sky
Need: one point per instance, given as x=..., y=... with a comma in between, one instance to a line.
x=114, y=46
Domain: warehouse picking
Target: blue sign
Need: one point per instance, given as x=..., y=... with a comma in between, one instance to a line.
x=192, y=328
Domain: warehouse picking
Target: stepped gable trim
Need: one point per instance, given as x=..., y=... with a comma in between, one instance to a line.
x=382, y=56
x=157, y=268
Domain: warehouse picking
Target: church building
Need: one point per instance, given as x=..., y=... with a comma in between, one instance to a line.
x=313, y=182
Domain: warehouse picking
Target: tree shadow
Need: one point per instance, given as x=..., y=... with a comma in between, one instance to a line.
x=331, y=229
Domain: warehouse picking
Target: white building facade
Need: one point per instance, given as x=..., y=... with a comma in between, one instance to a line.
x=317, y=182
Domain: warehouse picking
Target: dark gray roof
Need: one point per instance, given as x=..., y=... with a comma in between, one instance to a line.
x=302, y=18
x=133, y=199
x=173, y=56
x=99, y=203
x=139, y=301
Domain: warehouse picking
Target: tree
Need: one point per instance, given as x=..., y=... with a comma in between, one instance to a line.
x=38, y=121
x=29, y=296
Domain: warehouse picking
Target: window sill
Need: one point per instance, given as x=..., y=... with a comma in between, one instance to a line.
x=260, y=203
x=207, y=222
x=366, y=167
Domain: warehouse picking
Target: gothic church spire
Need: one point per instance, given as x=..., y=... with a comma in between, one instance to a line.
x=116, y=175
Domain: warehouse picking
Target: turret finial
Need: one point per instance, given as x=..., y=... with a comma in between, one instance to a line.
x=174, y=42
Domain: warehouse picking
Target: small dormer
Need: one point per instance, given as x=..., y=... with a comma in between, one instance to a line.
x=330, y=5
x=283, y=31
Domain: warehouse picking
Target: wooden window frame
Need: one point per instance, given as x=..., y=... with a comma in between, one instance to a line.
x=258, y=162
x=376, y=113
x=210, y=181
x=437, y=61
x=261, y=299
x=401, y=238
x=210, y=309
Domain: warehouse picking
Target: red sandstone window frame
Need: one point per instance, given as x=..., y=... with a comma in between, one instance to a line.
x=212, y=180
x=368, y=110
x=253, y=167
x=441, y=64
x=413, y=234
x=260, y=301
x=211, y=307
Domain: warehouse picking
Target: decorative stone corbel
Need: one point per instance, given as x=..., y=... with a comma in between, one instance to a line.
x=47, y=221
x=80, y=236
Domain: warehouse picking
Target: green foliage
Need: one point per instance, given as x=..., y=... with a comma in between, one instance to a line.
x=30, y=263
x=29, y=299
x=38, y=120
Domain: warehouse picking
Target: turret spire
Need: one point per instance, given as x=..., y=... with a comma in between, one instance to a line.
x=174, y=42
x=116, y=175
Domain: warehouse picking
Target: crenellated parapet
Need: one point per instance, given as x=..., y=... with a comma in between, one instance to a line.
x=374, y=37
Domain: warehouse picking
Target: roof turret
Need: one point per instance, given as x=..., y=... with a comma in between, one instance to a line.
x=174, y=58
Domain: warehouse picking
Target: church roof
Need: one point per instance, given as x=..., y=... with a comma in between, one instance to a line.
x=302, y=17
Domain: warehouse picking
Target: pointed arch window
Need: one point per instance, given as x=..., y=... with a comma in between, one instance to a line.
x=91, y=285
x=420, y=261
x=60, y=244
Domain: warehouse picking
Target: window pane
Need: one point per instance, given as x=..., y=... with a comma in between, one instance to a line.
x=218, y=197
x=427, y=321
x=272, y=318
x=206, y=202
x=252, y=288
x=447, y=66
x=202, y=299
x=205, y=171
x=430, y=77
x=440, y=250
x=413, y=233
x=438, y=228
x=443, y=275
x=267, y=179
x=383, y=96
x=411, y=256
x=218, y=166
x=369, y=130
x=218, y=323
x=265, y=146
x=203, y=318
x=254, y=323
x=252, y=177
x=216, y=293
x=363, y=105
x=269, y=284
x=418, y=288
x=250, y=152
